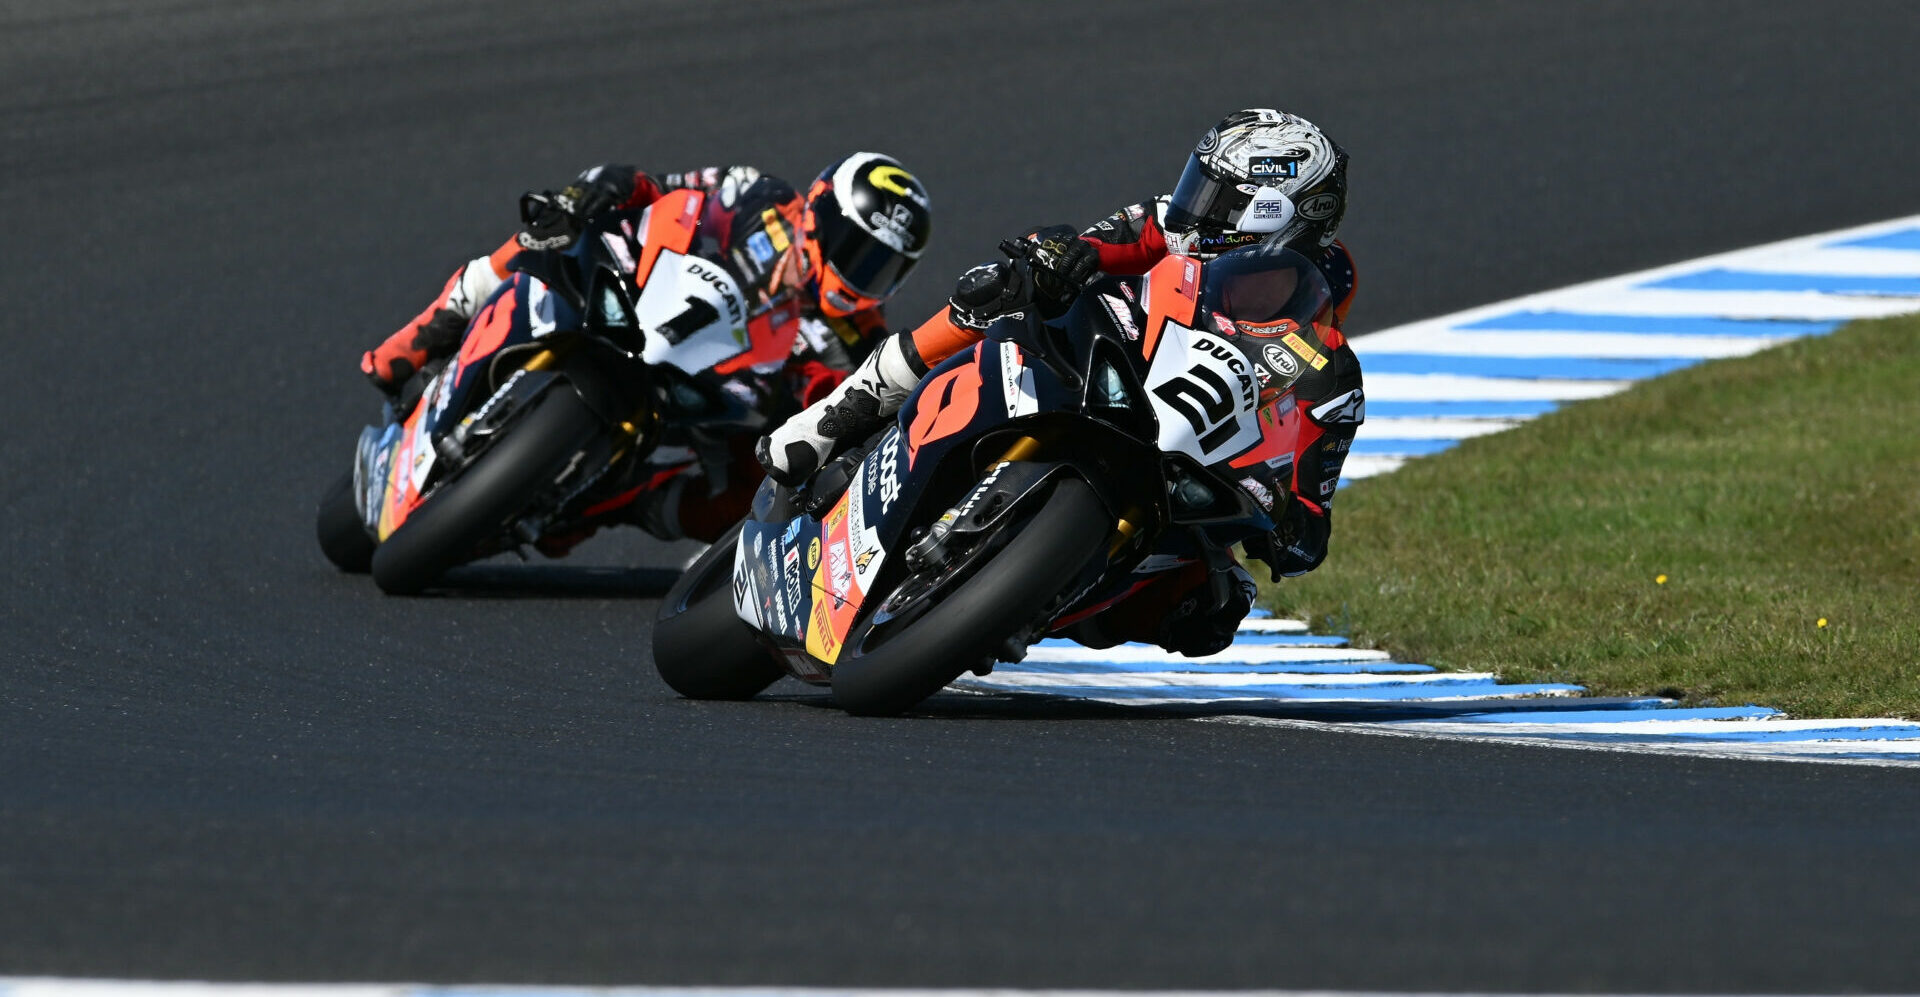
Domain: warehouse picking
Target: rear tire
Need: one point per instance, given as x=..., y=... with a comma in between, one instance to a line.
x=973, y=621
x=343, y=536
x=701, y=647
x=458, y=516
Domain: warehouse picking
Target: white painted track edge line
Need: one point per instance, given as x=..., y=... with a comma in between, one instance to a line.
x=1711, y=750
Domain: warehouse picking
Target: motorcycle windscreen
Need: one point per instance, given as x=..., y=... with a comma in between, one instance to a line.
x=1263, y=285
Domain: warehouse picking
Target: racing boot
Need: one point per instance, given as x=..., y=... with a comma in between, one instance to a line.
x=436, y=331
x=848, y=414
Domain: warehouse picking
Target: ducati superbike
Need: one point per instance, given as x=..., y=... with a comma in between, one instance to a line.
x=1027, y=483
x=590, y=374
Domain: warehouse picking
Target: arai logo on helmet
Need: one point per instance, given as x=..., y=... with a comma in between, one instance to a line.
x=1319, y=207
x=1280, y=360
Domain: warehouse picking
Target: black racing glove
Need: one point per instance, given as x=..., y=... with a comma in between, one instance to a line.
x=1297, y=544
x=1062, y=262
x=554, y=219
x=990, y=292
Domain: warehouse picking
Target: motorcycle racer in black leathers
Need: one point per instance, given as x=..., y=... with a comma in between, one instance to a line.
x=1252, y=151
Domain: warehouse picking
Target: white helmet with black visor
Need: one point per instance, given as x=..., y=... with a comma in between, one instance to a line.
x=1258, y=175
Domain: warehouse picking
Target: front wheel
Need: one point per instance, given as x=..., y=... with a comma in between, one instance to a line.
x=972, y=622
x=701, y=647
x=457, y=517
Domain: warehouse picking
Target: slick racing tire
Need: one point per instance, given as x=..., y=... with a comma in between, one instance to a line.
x=701, y=647
x=343, y=537
x=458, y=516
x=971, y=621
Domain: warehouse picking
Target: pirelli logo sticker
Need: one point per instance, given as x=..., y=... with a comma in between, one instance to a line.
x=776, y=232
x=1309, y=354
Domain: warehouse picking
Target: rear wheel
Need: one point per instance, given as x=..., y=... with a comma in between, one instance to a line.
x=701, y=647
x=462, y=513
x=343, y=536
x=886, y=671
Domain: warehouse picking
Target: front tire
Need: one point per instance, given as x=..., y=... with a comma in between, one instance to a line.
x=973, y=621
x=701, y=647
x=462, y=513
x=343, y=536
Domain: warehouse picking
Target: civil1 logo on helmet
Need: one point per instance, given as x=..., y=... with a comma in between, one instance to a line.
x=1258, y=175
x=867, y=220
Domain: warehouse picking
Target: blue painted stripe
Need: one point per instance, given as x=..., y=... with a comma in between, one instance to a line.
x=1907, y=239
x=1489, y=409
x=1400, y=448
x=1751, y=280
x=1652, y=325
x=1382, y=693
x=1532, y=368
x=1239, y=640
x=1733, y=736
x=1032, y=666
x=1630, y=713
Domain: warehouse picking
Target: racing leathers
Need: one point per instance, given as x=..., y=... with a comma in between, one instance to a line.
x=1183, y=609
x=750, y=224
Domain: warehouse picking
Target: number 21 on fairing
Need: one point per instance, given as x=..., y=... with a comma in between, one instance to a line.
x=1204, y=394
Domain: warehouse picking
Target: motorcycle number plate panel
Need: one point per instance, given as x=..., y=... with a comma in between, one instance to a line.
x=692, y=313
x=1205, y=395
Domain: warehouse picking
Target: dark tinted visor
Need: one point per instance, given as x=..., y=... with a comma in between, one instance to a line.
x=1198, y=198
x=1263, y=284
x=871, y=268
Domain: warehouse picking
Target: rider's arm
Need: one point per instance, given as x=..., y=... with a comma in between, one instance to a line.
x=436, y=331
x=1129, y=241
x=726, y=179
x=939, y=338
x=1326, y=434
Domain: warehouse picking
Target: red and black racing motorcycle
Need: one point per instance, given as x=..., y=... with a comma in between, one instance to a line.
x=588, y=373
x=1029, y=482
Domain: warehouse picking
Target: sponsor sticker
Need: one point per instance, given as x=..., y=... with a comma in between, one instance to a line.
x=1122, y=315
x=776, y=232
x=1274, y=166
x=1305, y=352
x=1261, y=493
x=1319, y=207
x=1280, y=360
x=760, y=247
x=813, y=553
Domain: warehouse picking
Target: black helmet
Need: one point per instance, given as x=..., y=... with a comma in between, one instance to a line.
x=1259, y=174
x=866, y=222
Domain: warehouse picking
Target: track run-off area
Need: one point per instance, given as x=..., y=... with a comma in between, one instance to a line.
x=222, y=760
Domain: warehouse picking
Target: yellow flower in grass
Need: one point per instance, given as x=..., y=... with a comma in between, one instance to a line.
x=1659, y=579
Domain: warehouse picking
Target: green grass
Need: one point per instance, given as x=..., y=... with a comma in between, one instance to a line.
x=1770, y=491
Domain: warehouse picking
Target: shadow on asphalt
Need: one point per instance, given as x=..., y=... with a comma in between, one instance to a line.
x=555, y=581
x=954, y=705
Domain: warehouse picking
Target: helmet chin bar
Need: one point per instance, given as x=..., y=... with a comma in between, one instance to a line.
x=1268, y=211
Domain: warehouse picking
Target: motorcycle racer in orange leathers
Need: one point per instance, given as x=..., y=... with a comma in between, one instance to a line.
x=1255, y=151
x=818, y=266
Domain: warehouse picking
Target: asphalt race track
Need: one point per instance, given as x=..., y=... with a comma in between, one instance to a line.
x=220, y=759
